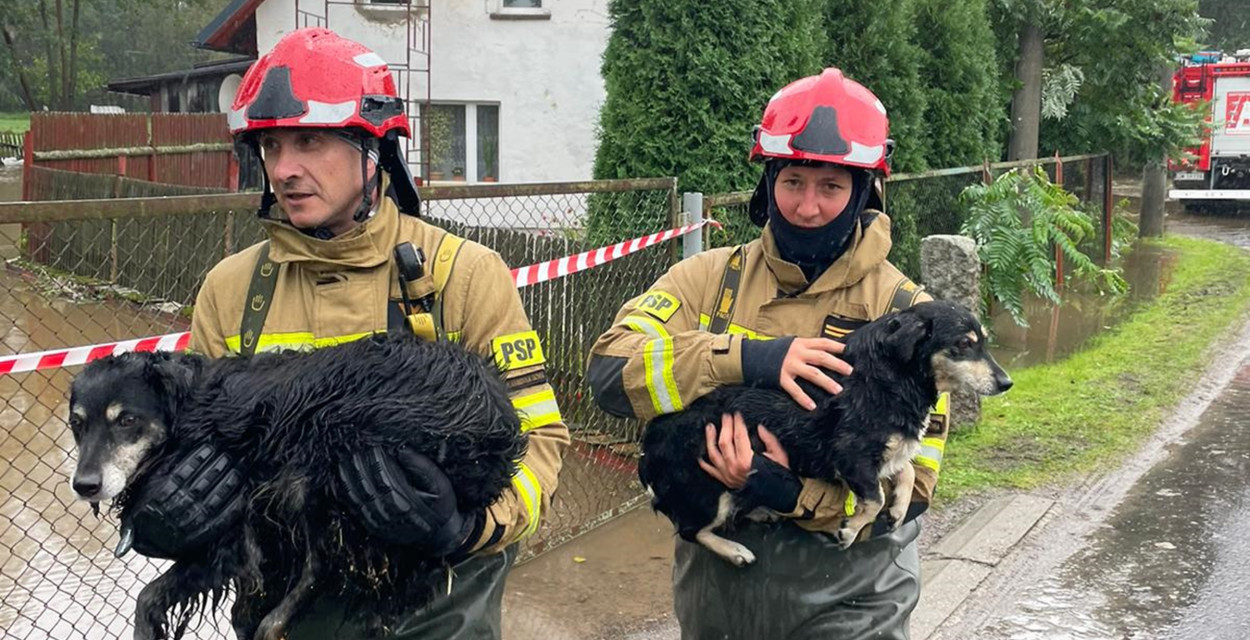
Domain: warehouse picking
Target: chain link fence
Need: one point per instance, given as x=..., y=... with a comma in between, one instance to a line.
x=80, y=273
x=927, y=203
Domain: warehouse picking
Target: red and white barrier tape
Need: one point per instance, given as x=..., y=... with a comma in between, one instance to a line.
x=522, y=277
x=82, y=355
x=560, y=267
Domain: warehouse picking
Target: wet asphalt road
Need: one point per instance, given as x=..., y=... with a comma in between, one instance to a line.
x=1170, y=560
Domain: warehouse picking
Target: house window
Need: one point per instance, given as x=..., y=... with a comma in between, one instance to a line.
x=464, y=142
x=520, y=10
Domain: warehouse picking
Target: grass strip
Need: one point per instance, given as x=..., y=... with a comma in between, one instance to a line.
x=1089, y=411
x=14, y=122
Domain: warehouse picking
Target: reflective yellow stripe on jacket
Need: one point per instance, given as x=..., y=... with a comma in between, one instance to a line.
x=298, y=341
x=931, y=449
x=531, y=494
x=658, y=362
x=657, y=359
x=537, y=409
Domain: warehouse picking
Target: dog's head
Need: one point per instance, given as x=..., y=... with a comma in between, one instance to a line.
x=120, y=409
x=952, y=342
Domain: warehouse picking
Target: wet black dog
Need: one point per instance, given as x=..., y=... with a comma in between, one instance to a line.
x=868, y=432
x=289, y=418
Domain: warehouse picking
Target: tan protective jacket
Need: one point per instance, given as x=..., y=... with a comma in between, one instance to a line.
x=332, y=291
x=658, y=357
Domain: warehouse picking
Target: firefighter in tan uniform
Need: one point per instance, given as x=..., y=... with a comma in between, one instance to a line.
x=768, y=313
x=341, y=263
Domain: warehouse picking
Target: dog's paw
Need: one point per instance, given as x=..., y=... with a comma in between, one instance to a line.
x=270, y=630
x=760, y=514
x=896, y=515
x=743, y=557
x=845, y=537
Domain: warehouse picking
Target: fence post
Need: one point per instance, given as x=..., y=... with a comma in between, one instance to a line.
x=692, y=205
x=675, y=218
x=1108, y=202
x=1058, y=252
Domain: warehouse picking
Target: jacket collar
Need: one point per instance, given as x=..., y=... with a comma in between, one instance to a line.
x=368, y=244
x=869, y=247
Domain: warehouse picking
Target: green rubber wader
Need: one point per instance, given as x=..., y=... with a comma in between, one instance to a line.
x=470, y=612
x=801, y=587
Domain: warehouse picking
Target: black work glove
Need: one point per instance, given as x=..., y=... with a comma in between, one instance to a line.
x=404, y=498
x=193, y=504
x=772, y=485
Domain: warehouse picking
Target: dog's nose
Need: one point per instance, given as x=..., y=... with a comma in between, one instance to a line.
x=1004, y=382
x=87, y=486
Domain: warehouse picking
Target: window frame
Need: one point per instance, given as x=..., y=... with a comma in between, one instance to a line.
x=472, y=139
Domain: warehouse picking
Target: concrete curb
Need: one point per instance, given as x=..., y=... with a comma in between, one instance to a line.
x=967, y=555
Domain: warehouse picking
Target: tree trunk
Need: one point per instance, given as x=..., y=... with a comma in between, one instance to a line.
x=1026, y=103
x=1154, y=181
x=9, y=40
x=71, y=72
x=63, y=56
x=53, y=81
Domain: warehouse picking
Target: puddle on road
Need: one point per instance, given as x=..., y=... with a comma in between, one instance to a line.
x=1170, y=561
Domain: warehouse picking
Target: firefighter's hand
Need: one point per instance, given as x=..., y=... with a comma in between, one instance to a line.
x=808, y=358
x=729, y=452
x=195, y=503
x=404, y=498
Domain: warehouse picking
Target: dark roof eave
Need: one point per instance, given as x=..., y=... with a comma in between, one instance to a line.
x=222, y=32
x=144, y=85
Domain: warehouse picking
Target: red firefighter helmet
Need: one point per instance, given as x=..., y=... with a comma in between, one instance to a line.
x=826, y=118
x=315, y=78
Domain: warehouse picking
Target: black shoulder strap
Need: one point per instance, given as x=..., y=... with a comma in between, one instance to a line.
x=905, y=294
x=728, y=297
x=259, y=297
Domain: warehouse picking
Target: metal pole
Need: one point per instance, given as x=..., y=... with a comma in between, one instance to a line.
x=692, y=206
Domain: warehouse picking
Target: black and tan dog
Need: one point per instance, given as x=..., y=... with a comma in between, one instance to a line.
x=288, y=418
x=868, y=432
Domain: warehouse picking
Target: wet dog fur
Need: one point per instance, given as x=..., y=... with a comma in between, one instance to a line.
x=289, y=418
x=868, y=432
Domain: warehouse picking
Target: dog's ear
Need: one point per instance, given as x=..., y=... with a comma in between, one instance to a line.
x=173, y=377
x=906, y=332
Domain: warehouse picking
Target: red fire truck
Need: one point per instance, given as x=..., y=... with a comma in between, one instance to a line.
x=1218, y=174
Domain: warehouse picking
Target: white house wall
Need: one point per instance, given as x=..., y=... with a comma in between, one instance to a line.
x=543, y=74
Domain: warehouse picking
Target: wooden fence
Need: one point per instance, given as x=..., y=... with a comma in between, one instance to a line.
x=189, y=149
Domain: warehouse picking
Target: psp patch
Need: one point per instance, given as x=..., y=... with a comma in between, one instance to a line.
x=659, y=304
x=518, y=350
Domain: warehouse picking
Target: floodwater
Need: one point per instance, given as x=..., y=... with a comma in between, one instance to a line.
x=1056, y=332
x=10, y=191
x=58, y=577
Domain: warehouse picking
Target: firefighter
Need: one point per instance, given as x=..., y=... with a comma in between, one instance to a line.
x=322, y=114
x=770, y=313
